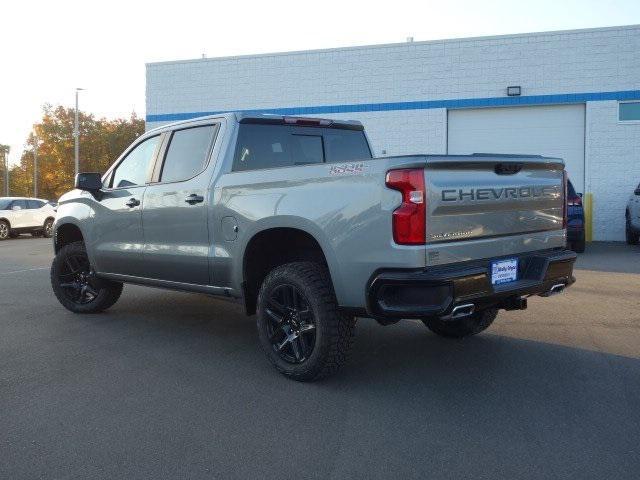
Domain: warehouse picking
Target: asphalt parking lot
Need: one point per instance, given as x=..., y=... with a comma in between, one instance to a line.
x=174, y=385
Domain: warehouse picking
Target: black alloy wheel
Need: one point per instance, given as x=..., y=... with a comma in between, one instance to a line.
x=291, y=327
x=302, y=331
x=75, y=279
x=75, y=284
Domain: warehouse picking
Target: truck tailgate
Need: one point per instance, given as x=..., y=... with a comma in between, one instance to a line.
x=487, y=196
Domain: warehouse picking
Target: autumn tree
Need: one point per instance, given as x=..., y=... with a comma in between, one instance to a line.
x=101, y=142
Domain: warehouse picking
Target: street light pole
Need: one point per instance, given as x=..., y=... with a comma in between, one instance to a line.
x=76, y=135
x=5, y=154
x=35, y=168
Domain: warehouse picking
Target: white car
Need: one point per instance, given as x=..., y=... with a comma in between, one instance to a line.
x=25, y=215
x=632, y=216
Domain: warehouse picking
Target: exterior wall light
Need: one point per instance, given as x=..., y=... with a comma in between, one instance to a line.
x=514, y=91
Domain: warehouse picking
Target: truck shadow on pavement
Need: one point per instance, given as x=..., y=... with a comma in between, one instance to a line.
x=406, y=353
x=578, y=410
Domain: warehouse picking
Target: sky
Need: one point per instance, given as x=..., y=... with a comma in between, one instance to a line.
x=48, y=48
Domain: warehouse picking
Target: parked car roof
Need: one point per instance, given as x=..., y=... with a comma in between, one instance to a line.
x=25, y=198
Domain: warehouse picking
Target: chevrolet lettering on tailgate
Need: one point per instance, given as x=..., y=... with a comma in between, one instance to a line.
x=461, y=194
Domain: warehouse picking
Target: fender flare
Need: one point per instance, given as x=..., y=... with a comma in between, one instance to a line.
x=295, y=223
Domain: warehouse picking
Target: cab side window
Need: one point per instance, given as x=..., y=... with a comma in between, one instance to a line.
x=263, y=146
x=134, y=169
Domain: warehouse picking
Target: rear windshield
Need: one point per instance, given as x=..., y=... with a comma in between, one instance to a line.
x=267, y=146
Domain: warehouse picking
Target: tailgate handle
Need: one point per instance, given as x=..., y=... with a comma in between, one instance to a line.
x=507, y=168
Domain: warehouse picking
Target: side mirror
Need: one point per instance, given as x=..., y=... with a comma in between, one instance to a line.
x=90, y=182
x=16, y=207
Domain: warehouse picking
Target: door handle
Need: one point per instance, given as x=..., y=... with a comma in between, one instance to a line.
x=193, y=199
x=132, y=202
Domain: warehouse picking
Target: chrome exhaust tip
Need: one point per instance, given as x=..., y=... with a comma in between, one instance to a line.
x=556, y=289
x=460, y=311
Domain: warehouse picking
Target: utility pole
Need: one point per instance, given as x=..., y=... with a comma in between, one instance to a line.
x=35, y=168
x=5, y=154
x=76, y=135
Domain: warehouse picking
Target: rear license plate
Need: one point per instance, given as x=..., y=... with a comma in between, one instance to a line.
x=504, y=271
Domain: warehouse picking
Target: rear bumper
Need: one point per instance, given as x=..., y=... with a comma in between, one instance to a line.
x=436, y=291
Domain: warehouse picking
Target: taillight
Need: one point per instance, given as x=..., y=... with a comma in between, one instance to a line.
x=575, y=202
x=565, y=199
x=409, y=219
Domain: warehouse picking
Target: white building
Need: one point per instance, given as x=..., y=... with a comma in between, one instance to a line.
x=579, y=99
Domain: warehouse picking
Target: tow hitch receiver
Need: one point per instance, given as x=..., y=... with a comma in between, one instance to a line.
x=515, y=303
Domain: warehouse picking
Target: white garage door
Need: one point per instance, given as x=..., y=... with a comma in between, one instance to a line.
x=555, y=130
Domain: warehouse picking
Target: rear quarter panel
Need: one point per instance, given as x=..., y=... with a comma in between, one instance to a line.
x=345, y=207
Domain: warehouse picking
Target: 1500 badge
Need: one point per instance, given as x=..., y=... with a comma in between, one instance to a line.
x=355, y=168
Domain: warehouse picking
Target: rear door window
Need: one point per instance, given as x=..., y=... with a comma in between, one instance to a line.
x=20, y=203
x=35, y=204
x=187, y=153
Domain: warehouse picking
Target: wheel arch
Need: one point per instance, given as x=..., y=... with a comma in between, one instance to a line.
x=276, y=243
x=66, y=233
x=5, y=219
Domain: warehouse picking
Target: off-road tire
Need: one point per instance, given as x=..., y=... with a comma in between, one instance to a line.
x=632, y=236
x=334, y=330
x=462, y=327
x=5, y=230
x=107, y=292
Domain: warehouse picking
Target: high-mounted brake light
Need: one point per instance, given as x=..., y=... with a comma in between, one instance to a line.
x=565, y=199
x=311, y=122
x=409, y=219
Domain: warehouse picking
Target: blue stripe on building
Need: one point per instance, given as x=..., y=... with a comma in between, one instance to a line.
x=563, y=98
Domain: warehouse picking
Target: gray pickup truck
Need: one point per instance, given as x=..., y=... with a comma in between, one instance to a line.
x=295, y=219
